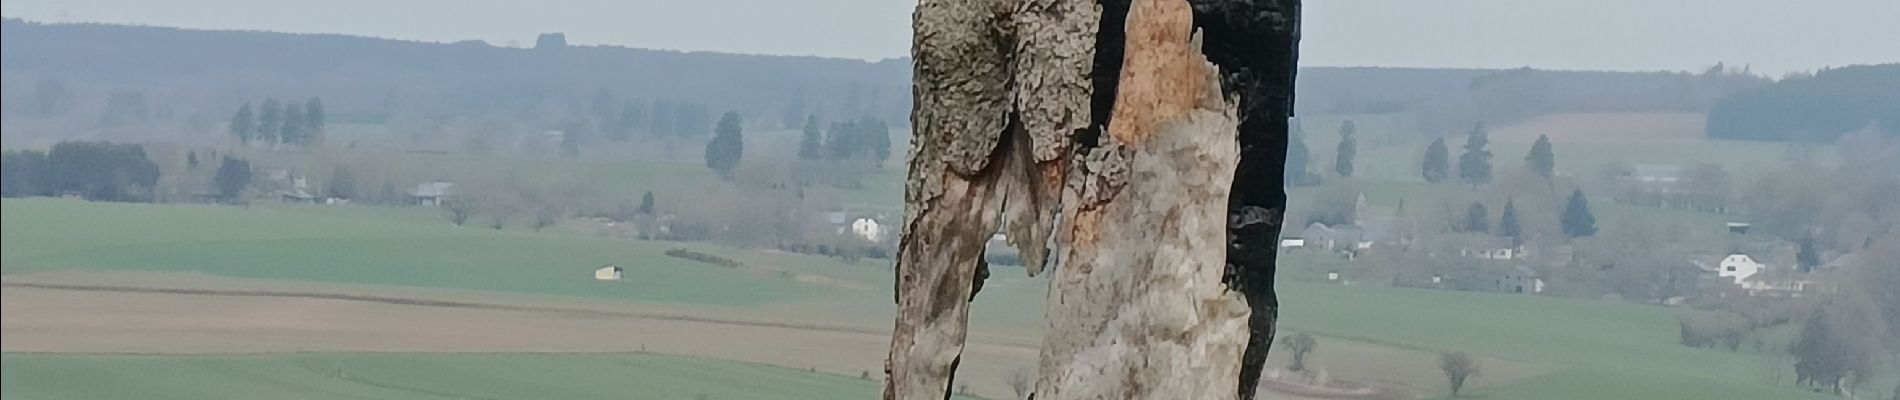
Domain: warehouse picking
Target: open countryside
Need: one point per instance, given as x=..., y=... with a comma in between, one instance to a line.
x=346, y=221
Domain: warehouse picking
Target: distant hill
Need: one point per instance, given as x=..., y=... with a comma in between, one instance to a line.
x=364, y=77
x=1815, y=109
x=1450, y=100
x=198, y=77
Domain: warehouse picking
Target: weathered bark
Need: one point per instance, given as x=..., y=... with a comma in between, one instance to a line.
x=1137, y=309
x=1133, y=134
x=952, y=198
x=1256, y=45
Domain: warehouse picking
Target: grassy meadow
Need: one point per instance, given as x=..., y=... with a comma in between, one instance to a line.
x=413, y=376
x=1579, y=343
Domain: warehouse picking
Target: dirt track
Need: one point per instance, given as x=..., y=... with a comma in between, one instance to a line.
x=94, y=318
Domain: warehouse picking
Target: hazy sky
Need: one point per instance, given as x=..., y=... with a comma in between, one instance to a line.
x=1772, y=36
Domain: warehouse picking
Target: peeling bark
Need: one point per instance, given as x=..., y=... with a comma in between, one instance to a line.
x=952, y=199
x=1137, y=309
x=1149, y=146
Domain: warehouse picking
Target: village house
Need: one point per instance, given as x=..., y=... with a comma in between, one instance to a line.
x=1756, y=278
x=1656, y=178
x=1520, y=279
x=868, y=229
x=1738, y=267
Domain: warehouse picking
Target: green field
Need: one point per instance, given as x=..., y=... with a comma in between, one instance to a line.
x=1583, y=344
x=413, y=376
x=44, y=234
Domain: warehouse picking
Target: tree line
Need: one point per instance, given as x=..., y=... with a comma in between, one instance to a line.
x=620, y=119
x=98, y=171
x=865, y=138
x=293, y=124
x=1815, y=109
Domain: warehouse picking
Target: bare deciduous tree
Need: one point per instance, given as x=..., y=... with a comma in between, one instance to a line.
x=1457, y=367
x=546, y=216
x=1301, y=345
x=1020, y=381
x=458, y=210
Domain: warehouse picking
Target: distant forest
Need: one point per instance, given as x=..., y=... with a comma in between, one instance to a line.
x=370, y=80
x=1816, y=109
x=193, y=79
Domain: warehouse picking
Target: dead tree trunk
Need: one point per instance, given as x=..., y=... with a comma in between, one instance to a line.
x=1128, y=122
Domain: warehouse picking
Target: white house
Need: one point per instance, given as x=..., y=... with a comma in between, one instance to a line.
x=868, y=229
x=1292, y=242
x=608, y=273
x=1738, y=267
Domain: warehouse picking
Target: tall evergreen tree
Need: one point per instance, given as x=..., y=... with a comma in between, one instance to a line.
x=1297, y=172
x=1806, y=256
x=1348, y=149
x=313, y=122
x=878, y=137
x=841, y=142
x=1577, y=220
x=292, y=133
x=1477, y=219
x=727, y=145
x=661, y=118
x=1542, y=159
x=244, y=124
x=811, y=146
x=1475, y=165
x=1508, y=225
x=270, y=121
x=1437, y=162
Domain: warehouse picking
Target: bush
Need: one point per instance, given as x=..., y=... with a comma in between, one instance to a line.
x=1719, y=329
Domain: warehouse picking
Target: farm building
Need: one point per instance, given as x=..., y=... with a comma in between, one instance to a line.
x=1520, y=279
x=608, y=273
x=1780, y=283
x=431, y=193
x=1499, y=252
x=1332, y=238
